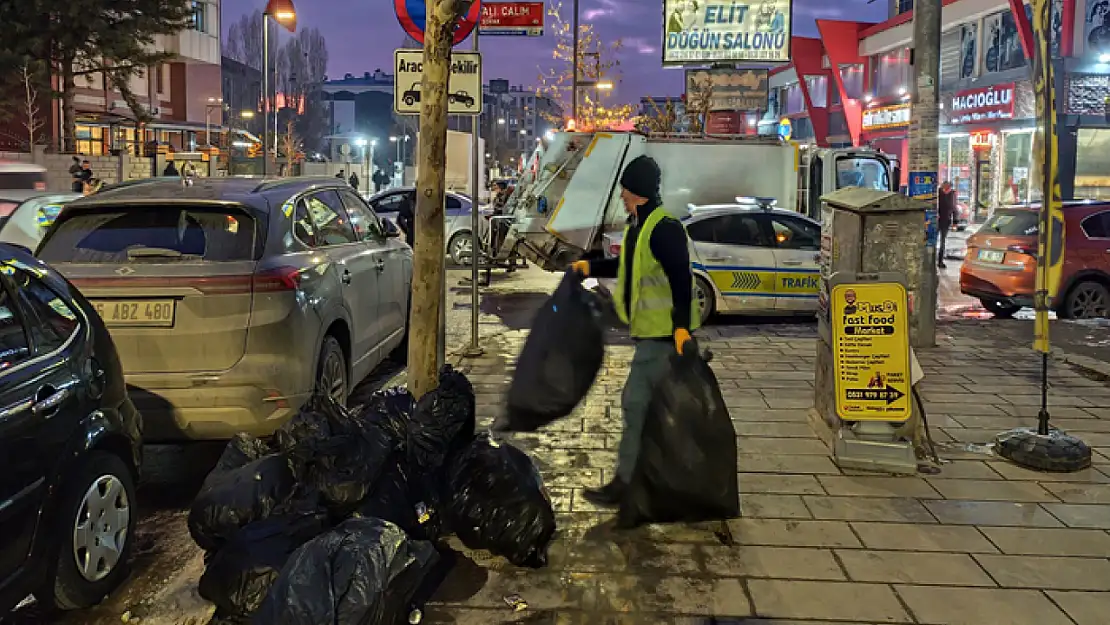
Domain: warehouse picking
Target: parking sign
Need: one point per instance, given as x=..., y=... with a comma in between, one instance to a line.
x=464, y=87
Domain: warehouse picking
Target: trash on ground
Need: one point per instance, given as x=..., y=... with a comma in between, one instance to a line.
x=498, y=502
x=364, y=571
x=686, y=468
x=379, y=474
x=515, y=603
x=237, y=577
x=233, y=498
x=560, y=359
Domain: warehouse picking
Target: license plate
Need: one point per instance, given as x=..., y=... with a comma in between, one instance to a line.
x=991, y=256
x=151, y=313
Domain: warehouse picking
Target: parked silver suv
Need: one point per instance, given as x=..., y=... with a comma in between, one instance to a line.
x=230, y=299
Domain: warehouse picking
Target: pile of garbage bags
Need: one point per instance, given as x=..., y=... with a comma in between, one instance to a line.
x=686, y=468
x=335, y=519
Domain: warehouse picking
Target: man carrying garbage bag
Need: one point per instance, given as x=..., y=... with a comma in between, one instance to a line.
x=654, y=296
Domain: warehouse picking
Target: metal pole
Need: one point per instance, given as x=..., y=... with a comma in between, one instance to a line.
x=574, y=68
x=923, y=155
x=265, y=91
x=475, y=189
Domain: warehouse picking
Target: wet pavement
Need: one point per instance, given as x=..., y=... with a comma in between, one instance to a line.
x=981, y=542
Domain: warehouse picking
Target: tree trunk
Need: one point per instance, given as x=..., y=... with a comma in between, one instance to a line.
x=69, y=107
x=428, y=257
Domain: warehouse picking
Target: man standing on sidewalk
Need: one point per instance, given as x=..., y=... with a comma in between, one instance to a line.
x=654, y=296
x=946, y=210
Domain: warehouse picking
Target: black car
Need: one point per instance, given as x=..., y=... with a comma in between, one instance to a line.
x=70, y=439
x=461, y=97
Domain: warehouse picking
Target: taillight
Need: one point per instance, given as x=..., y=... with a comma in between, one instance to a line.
x=1028, y=250
x=278, y=279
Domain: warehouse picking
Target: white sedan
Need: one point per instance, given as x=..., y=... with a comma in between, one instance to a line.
x=749, y=260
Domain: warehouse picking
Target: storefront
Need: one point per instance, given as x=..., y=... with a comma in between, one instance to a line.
x=986, y=145
x=1085, y=137
x=885, y=129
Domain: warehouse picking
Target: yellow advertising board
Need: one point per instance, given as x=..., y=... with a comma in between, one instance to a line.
x=871, y=351
x=1050, y=243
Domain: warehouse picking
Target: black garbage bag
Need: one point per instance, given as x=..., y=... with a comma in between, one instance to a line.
x=237, y=577
x=560, y=359
x=393, y=408
x=442, y=423
x=363, y=572
x=337, y=453
x=686, y=468
x=497, y=501
x=315, y=419
x=231, y=499
x=242, y=449
x=400, y=501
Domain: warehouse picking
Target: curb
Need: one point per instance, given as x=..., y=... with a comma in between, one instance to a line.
x=1092, y=365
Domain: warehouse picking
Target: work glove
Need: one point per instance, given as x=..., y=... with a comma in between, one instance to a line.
x=681, y=339
x=581, y=267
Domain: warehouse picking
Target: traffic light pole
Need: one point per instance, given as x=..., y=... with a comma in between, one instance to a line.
x=923, y=157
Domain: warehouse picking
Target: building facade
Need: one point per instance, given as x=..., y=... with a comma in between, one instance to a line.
x=857, y=81
x=182, y=96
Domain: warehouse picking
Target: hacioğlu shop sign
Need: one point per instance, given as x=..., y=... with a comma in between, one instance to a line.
x=696, y=32
x=982, y=105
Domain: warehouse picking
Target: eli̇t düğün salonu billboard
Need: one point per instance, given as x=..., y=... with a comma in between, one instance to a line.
x=700, y=32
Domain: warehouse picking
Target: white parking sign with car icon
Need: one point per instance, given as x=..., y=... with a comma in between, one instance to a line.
x=464, y=86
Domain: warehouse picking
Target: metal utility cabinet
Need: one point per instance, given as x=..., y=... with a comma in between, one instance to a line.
x=866, y=235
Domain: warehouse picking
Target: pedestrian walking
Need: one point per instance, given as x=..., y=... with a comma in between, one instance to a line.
x=406, y=219
x=170, y=170
x=380, y=178
x=82, y=176
x=654, y=296
x=946, y=210
x=341, y=175
x=75, y=166
x=353, y=180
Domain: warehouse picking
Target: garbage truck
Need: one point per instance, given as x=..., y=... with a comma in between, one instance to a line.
x=568, y=196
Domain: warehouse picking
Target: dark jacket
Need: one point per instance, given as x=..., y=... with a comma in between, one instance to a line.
x=946, y=207
x=406, y=220
x=670, y=247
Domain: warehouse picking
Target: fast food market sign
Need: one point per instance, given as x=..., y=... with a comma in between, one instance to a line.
x=696, y=32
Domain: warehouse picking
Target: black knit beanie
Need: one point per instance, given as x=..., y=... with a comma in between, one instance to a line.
x=642, y=176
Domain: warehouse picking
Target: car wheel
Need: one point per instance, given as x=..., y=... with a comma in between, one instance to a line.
x=459, y=248
x=331, y=372
x=1087, y=300
x=97, y=517
x=999, y=309
x=707, y=299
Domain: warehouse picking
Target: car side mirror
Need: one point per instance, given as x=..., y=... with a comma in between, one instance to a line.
x=390, y=229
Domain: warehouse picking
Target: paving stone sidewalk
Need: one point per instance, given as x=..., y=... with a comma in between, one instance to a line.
x=981, y=543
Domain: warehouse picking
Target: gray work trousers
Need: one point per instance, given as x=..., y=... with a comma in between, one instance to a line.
x=649, y=365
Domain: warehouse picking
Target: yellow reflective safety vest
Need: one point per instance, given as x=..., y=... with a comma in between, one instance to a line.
x=651, y=303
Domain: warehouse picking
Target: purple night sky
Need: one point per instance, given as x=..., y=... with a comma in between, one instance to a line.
x=361, y=37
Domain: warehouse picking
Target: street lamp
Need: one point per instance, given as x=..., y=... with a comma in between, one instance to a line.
x=284, y=13
x=212, y=103
x=604, y=85
x=500, y=121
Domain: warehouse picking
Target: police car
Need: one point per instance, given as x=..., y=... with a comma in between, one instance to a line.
x=749, y=258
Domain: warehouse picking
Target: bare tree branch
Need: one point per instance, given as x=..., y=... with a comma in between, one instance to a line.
x=32, y=122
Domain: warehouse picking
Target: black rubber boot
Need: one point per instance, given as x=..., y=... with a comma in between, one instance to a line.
x=607, y=496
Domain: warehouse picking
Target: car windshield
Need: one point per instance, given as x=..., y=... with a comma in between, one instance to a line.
x=1013, y=223
x=151, y=234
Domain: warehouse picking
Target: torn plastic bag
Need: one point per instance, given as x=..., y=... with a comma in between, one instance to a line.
x=498, y=502
x=397, y=500
x=442, y=423
x=686, y=468
x=231, y=499
x=242, y=449
x=560, y=359
x=393, y=408
x=237, y=577
x=364, y=572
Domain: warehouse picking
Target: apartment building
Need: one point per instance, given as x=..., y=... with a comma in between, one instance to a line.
x=514, y=117
x=850, y=86
x=181, y=96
